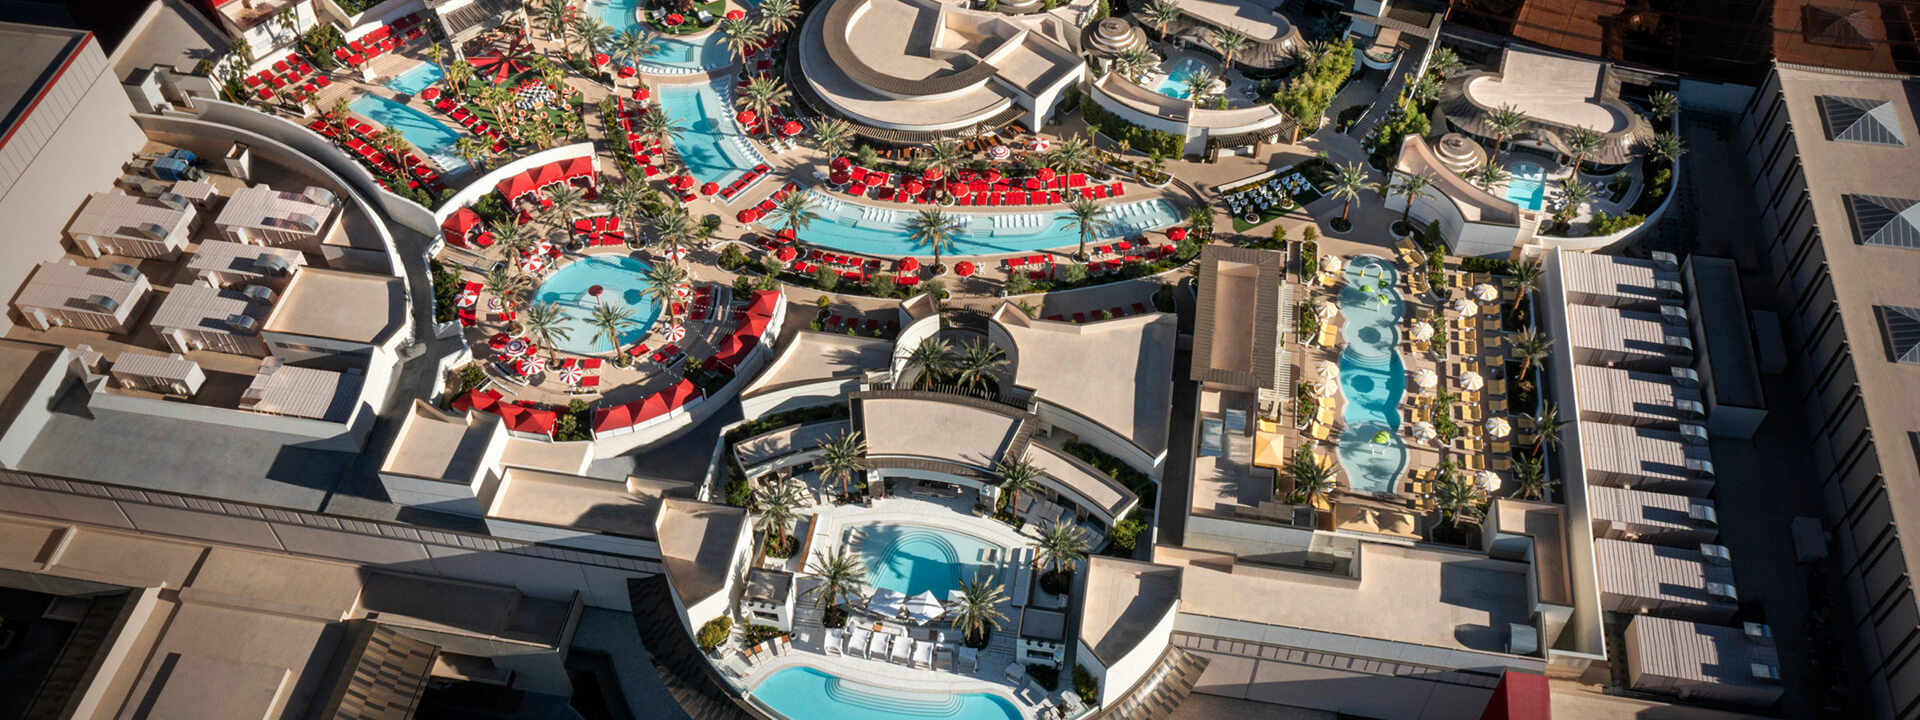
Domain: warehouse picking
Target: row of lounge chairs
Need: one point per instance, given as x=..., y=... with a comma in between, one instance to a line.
x=865, y=643
x=472, y=122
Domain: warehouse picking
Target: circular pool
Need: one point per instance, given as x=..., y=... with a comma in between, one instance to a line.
x=570, y=289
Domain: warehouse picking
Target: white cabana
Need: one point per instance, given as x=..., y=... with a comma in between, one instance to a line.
x=885, y=603
x=1425, y=378
x=925, y=608
x=1471, y=381
x=1421, y=331
x=1485, y=292
x=1498, y=427
x=1422, y=431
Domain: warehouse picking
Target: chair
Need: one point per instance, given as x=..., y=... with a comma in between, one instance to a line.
x=902, y=651
x=835, y=636
x=1015, y=673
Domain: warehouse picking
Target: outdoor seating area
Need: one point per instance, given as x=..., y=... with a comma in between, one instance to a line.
x=362, y=140
x=290, y=75
x=990, y=188
x=890, y=642
x=382, y=39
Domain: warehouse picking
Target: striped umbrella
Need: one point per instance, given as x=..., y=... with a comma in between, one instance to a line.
x=1421, y=331
x=1328, y=371
x=527, y=366
x=1486, y=293
x=1331, y=263
x=1498, y=427
x=1422, y=432
x=674, y=333
x=571, y=375
x=1471, y=381
x=533, y=264
x=999, y=152
x=683, y=291
x=1425, y=378
x=1488, y=481
x=1326, y=388
x=1466, y=307
x=676, y=254
x=1325, y=311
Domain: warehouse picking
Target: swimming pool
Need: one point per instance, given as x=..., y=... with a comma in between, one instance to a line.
x=1528, y=186
x=911, y=560
x=803, y=693
x=676, y=56
x=429, y=135
x=417, y=78
x=1174, y=85
x=713, y=147
x=872, y=230
x=619, y=278
x=1372, y=376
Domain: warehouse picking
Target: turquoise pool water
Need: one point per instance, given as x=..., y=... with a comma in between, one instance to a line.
x=872, y=230
x=1528, y=188
x=911, y=560
x=1174, y=85
x=431, y=136
x=416, y=79
x=803, y=693
x=1372, y=376
x=676, y=56
x=619, y=279
x=713, y=147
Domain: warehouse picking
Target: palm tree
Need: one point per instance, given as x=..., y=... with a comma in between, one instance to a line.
x=1071, y=155
x=775, y=507
x=1582, y=142
x=742, y=36
x=1198, y=83
x=509, y=240
x=1087, y=218
x=1016, y=476
x=1526, y=277
x=395, y=143
x=977, y=612
x=1412, y=185
x=841, y=458
x=438, y=55
x=833, y=136
x=1348, y=182
x=1230, y=42
x=1059, y=548
x=1530, y=345
x=946, y=156
x=795, y=212
x=1529, y=481
x=592, y=34
x=842, y=577
x=1505, y=122
x=1133, y=62
x=634, y=45
x=555, y=15
x=624, y=199
x=1666, y=146
x=504, y=285
x=458, y=75
x=1664, y=105
x=341, y=110
x=778, y=16
x=544, y=323
x=1161, y=13
x=1489, y=175
x=608, y=320
x=1444, y=62
x=567, y=201
x=674, y=227
x=933, y=356
x=660, y=279
x=1312, y=479
x=473, y=150
x=1573, y=194
x=1422, y=89
x=978, y=363
x=1547, y=425
x=1458, y=497
x=933, y=228
x=661, y=127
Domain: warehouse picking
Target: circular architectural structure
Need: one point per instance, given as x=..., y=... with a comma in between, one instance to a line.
x=1114, y=36
x=571, y=289
x=1460, y=153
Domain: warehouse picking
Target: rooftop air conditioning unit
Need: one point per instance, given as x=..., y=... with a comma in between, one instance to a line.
x=1693, y=434
x=1664, y=260
x=242, y=323
x=1673, y=314
x=1699, y=468
x=271, y=264
x=1703, y=515
x=151, y=231
x=1669, y=288
x=1715, y=554
x=1760, y=633
x=172, y=200
x=1722, y=591
x=103, y=303
x=1690, y=409
x=1680, y=343
x=259, y=293
x=124, y=271
x=321, y=196
x=1763, y=671
x=1686, y=377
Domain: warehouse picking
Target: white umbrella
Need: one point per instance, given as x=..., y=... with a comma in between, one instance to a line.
x=527, y=366
x=1331, y=263
x=676, y=254
x=999, y=152
x=1326, y=388
x=683, y=291
x=543, y=248
x=1426, y=378
x=1421, y=331
x=1486, y=293
x=533, y=264
x=1040, y=144
x=1499, y=427
x=1471, y=381
x=1329, y=371
x=514, y=348
x=885, y=603
x=924, y=608
x=1422, y=431
x=1325, y=311
x=674, y=333
x=571, y=375
x=1488, y=481
x=466, y=298
x=1466, y=307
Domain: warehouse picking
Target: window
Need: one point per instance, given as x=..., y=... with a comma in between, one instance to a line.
x=1888, y=221
x=1902, y=328
x=1861, y=120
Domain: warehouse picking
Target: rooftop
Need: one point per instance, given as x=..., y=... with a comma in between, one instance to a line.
x=204, y=309
x=945, y=427
x=1124, y=599
x=1130, y=390
x=176, y=35
x=1556, y=94
x=813, y=356
x=282, y=389
x=335, y=305
x=1642, y=452
x=113, y=214
x=1699, y=652
x=1095, y=486
x=786, y=441
x=1617, y=395
x=1626, y=332
x=1611, y=279
x=38, y=55
x=572, y=501
x=1674, y=575
x=1236, y=336
x=1644, y=509
x=435, y=445
x=1728, y=341
x=1258, y=22
x=263, y=207
x=697, y=543
x=232, y=258
x=62, y=284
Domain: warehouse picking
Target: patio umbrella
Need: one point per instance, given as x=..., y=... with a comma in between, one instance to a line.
x=674, y=333
x=1488, y=481
x=1046, y=174
x=1471, y=381
x=498, y=341
x=542, y=247
x=1325, y=311
x=1039, y=144
x=533, y=264
x=1328, y=371
x=999, y=152
x=1498, y=427
x=786, y=253
x=1466, y=307
x=1326, y=388
x=527, y=366
x=746, y=216
x=994, y=176
x=965, y=269
x=1331, y=263
x=1425, y=378
x=908, y=264
x=514, y=348
x=791, y=128
x=913, y=187
x=735, y=14
x=746, y=117
x=885, y=603
x=1485, y=292
x=676, y=254
x=932, y=173
x=675, y=19
x=924, y=608
x=1422, y=432
x=959, y=189
x=627, y=71
x=432, y=93
x=710, y=188
x=640, y=93
x=600, y=59
x=786, y=234
x=683, y=291
x=466, y=298
x=840, y=163
x=1421, y=330
x=571, y=375
x=839, y=177
x=1177, y=234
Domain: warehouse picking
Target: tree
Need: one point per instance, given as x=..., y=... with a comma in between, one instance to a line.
x=978, y=363
x=977, y=612
x=1313, y=480
x=1197, y=84
x=1423, y=89
x=1133, y=62
x=674, y=227
x=934, y=357
x=842, y=578
x=1059, y=548
x=474, y=150
x=1664, y=104
x=1444, y=62
x=762, y=95
x=1505, y=122
x=634, y=45
x=510, y=239
x=608, y=320
x=1071, y=155
x=1348, y=182
x=555, y=15
x=1087, y=218
x=934, y=229
x=395, y=143
x=458, y=75
x=625, y=199
x=1230, y=43
x=1161, y=13
x=1016, y=476
x=567, y=201
x=795, y=212
x=545, y=324
x=778, y=16
x=659, y=280
x=1531, y=345
x=592, y=34
x=1547, y=425
x=1526, y=277
x=504, y=285
x=742, y=36
x=660, y=127
x=1582, y=142
x=1666, y=146
x=1412, y=185
x=1458, y=497
x=833, y=136
x=841, y=458
x=774, y=508
x=438, y=54
x=1573, y=194
x=1529, y=480
x=945, y=156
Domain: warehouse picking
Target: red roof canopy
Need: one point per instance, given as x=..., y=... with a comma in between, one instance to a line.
x=613, y=418
x=460, y=224
x=764, y=303
x=680, y=394
x=650, y=407
x=1519, y=696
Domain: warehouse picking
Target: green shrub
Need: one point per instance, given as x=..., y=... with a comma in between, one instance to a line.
x=713, y=633
x=732, y=258
x=1604, y=224
x=472, y=375
x=1496, y=266
x=883, y=286
x=1018, y=284
x=1127, y=531
x=446, y=288
x=1085, y=686
x=826, y=279
x=1072, y=272
x=1306, y=97
x=1139, y=138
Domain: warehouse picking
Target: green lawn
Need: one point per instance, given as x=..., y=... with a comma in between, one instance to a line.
x=717, y=9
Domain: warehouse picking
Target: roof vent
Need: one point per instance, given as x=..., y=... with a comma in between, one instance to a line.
x=103, y=303
x=1703, y=515
x=1680, y=343
x=124, y=271
x=321, y=196
x=1686, y=377
x=1664, y=260
x=242, y=323
x=1698, y=468
x=1760, y=633
x=1689, y=409
x=1669, y=288
x=1715, y=554
x=1692, y=434
x=172, y=200
x=259, y=293
x=151, y=231
x=1763, y=671
x=1722, y=591
x=271, y=264
x=1673, y=314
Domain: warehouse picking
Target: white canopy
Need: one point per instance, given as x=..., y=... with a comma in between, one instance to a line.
x=1326, y=388
x=1422, y=431
x=1485, y=292
x=885, y=603
x=1331, y=263
x=1420, y=330
x=1325, y=311
x=1425, y=378
x=1471, y=380
x=1498, y=427
x=1466, y=307
x=1488, y=481
x=1328, y=371
x=924, y=608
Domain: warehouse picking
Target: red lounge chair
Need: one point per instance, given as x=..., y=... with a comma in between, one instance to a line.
x=590, y=381
x=1139, y=309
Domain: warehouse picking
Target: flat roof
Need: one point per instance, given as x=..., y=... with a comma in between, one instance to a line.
x=1123, y=601
x=769, y=586
x=948, y=427
x=814, y=356
x=1558, y=89
x=1258, y=22
x=1077, y=477
x=1546, y=523
x=563, y=500
x=435, y=445
x=239, y=258
x=566, y=457
x=354, y=307
x=1236, y=333
x=1672, y=575
x=303, y=392
x=1627, y=280
x=177, y=36
x=1699, y=652
x=1622, y=331
x=1642, y=508
x=112, y=214
x=1613, y=392
x=1644, y=452
x=23, y=366
x=260, y=206
x=1130, y=390
x=876, y=96
x=1729, y=339
x=62, y=284
x=697, y=542
x=38, y=54
x=204, y=309
x=785, y=441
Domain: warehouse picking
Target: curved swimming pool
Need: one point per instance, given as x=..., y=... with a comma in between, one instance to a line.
x=619, y=279
x=911, y=559
x=1527, y=185
x=1174, y=84
x=676, y=56
x=431, y=136
x=714, y=147
x=803, y=693
x=1372, y=376
x=873, y=230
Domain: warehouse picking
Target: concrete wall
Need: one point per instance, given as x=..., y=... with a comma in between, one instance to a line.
x=794, y=397
x=1100, y=436
x=34, y=414
x=1123, y=672
x=569, y=537
x=1464, y=238
x=345, y=436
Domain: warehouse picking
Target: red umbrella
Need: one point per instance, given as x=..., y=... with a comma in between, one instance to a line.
x=978, y=186
x=641, y=93
x=791, y=128
x=786, y=235
x=499, y=340
x=683, y=181
x=710, y=188
x=1033, y=183
x=1046, y=174
x=959, y=189
x=840, y=163
x=626, y=71
x=600, y=59
x=966, y=175
x=746, y=216
x=596, y=290
x=786, y=253
x=994, y=176
x=908, y=264
x=430, y=93
x=857, y=189
x=932, y=173
x=735, y=14
x=675, y=19
x=746, y=117
x=839, y=177
x=913, y=187
x=1177, y=234
x=964, y=269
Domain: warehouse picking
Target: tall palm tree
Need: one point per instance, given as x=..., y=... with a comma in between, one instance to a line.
x=1505, y=122
x=1573, y=194
x=778, y=16
x=833, y=136
x=841, y=458
x=341, y=110
x=1666, y=146
x=509, y=240
x=1582, y=142
x=742, y=36
x=661, y=127
x=608, y=320
x=1348, y=182
x=1547, y=425
x=1412, y=185
x=659, y=280
x=1423, y=89
x=1016, y=476
x=933, y=357
x=593, y=35
x=1229, y=43
x=554, y=15
x=945, y=155
x=458, y=75
x=624, y=199
x=1530, y=481
x=774, y=508
x=1133, y=62
x=1458, y=497
x=795, y=212
x=1526, y=278
x=1312, y=479
x=1530, y=345
x=504, y=285
x=933, y=228
x=567, y=201
x=395, y=143
x=635, y=44
x=438, y=54
x=473, y=150
x=978, y=363
x=1665, y=104
x=1059, y=548
x=1197, y=84
x=544, y=323
x=1088, y=218
x=1161, y=13
x=1489, y=175
x=1444, y=62
x=842, y=577
x=977, y=612
x=674, y=227
x=1071, y=155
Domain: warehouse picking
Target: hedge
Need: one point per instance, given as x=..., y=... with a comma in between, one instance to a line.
x=1143, y=139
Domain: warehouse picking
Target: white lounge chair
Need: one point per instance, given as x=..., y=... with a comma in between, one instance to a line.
x=923, y=654
x=877, y=650
x=1015, y=673
x=857, y=642
x=782, y=646
x=902, y=650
